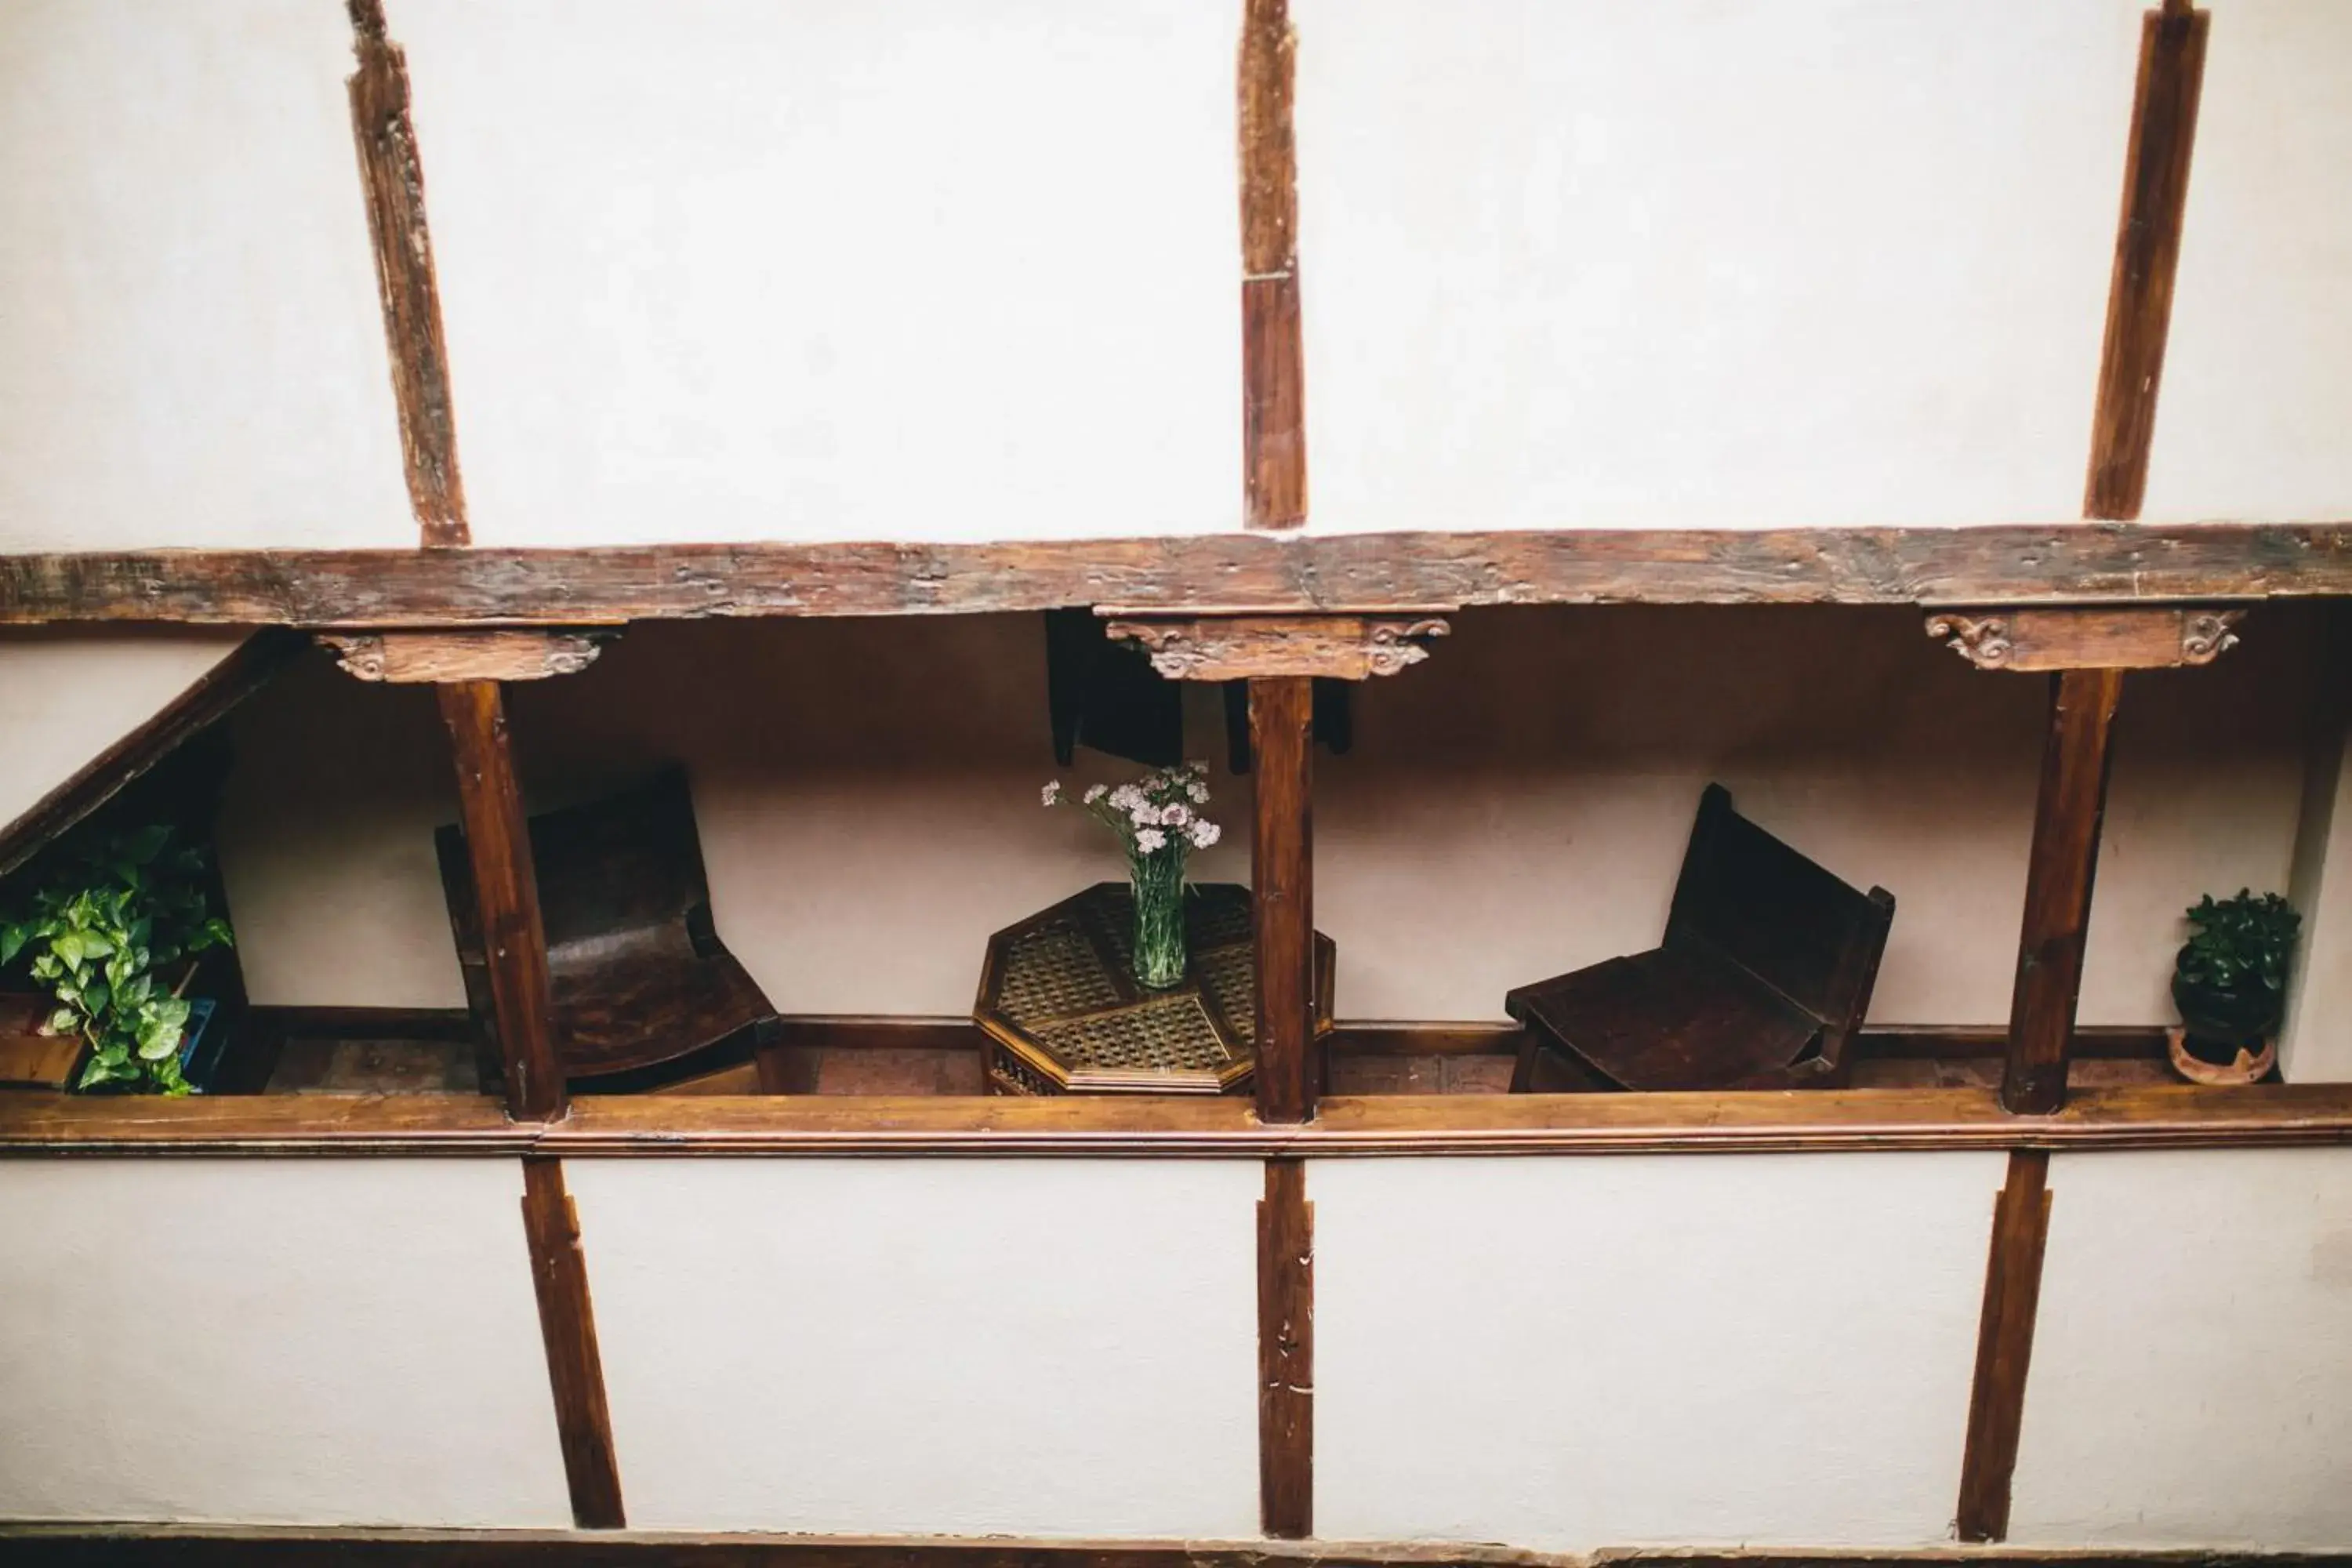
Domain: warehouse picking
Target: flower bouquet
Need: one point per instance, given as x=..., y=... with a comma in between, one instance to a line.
x=1157, y=820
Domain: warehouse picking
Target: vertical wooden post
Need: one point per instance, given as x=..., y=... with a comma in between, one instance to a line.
x=2066, y=819
x=575, y=1367
x=1282, y=878
x=1273, y=414
x=506, y=893
x=1285, y=1354
x=2020, y=1231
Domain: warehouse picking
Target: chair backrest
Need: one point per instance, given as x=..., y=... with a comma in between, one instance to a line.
x=1752, y=899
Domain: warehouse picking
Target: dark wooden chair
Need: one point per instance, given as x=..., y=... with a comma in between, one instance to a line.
x=1762, y=980
x=645, y=993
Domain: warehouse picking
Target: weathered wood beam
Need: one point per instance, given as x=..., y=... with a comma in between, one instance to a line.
x=2087, y=637
x=2067, y=812
x=1282, y=882
x=2147, y=250
x=2021, y=1230
x=438, y=658
x=36, y=1124
x=1285, y=1354
x=393, y=178
x=1243, y=647
x=1274, y=402
x=367, y=590
x=576, y=1366
x=506, y=895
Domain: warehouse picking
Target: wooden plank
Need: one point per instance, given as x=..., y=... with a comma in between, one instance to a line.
x=1211, y=573
x=2020, y=1227
x=1282, y=882
x=2067, y=812
x=437, y=657
x=1285, y=1354
x=506, y=894
x=1274, y=373
x=2147, y=248
x=575, y=1368
x=238, y=1546
x=393, y=180
x=2168, y=1116
x=1243, y=647
x=1946, y=1042
x=2088, y=637
x=244, y=671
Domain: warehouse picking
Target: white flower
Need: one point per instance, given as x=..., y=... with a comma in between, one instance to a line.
x=1127, y=797
x=1051, y=794
x=1205, y=833
x=1145, y=815
x=1151, y=841
x=1199, y=792
x=1176, y=814
x=1096, y=793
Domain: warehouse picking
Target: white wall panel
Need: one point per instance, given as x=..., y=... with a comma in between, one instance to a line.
x=66, y=698
x=916, y=270
x=1577, y=263
x=1572, y=1353
x=919, y=1347
x=330, y=1341
x=191, y=351
x=2192, y=1382
x=2258, y=364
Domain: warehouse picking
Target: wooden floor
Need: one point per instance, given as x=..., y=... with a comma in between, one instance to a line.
x=413, y=1067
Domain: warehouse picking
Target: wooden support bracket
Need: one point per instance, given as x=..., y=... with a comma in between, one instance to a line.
x=1243, y=647
x=2044, y=638
x=437, y=657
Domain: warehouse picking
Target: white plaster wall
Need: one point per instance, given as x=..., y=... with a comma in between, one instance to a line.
x=285, y=1342
x=65, y=697
x=1587, y=264
x=1516, y=806
x=2191, y=1382
x=2258, y=364
x=1573, y=1354
x=919, y=1347
x=918, y=269
x=191, y=351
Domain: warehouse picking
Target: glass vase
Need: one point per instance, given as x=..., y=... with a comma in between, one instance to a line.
x=1158, y=882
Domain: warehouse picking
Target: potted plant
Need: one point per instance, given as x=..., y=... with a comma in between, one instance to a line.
x=2230, y=984
x=112, y=931
x=1158, y=820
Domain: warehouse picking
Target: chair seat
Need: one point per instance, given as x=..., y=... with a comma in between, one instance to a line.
x=1670, y=1018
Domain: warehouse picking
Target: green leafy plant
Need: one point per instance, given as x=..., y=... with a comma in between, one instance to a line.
x=2240, y=944
x=104, y=927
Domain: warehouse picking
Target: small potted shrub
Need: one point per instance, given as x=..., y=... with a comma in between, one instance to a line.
x=2230, y=984
x=112, y=931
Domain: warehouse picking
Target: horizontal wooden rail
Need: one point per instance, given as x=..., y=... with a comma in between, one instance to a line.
x=2168, y=1116
x=1228, y=573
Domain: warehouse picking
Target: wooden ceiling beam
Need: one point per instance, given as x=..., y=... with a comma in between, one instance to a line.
x=1224, y=574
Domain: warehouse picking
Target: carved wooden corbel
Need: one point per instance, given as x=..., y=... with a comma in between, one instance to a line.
x=425, y=657
x=1238, y=647
x=2087, y=637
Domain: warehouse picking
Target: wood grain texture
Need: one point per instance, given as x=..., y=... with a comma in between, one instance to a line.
x=575, y=1368
x=1274, y=370
x=1285, y=1354
x=2020, y=1229
x=433, y=657
x=2148, y=249
x=1212, y=574
x=506, y=892
x=2067, y=812
x=201, y=1546
x=393, y=178
x=2170, y=1116
x=1282, y=881
x=246, y=670
x=2088, y=637
x=1243, y=647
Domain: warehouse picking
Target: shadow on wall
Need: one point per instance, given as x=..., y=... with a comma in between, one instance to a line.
x=868, y=796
